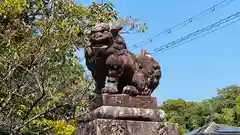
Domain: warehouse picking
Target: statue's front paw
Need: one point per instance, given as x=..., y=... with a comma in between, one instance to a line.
x=141, y=85
x=110, y=89
x=130, y=90
x=147, y=92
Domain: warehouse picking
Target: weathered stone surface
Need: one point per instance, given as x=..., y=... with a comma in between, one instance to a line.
x=124, y=113
x=116, y=69
x=126, y=127
x=124, y=100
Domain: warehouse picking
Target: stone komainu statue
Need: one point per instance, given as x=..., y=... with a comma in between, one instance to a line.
x=114, y=68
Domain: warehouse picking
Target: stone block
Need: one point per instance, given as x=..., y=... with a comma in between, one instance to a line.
x=124, y=100
x=124, y=113
x=126, y=127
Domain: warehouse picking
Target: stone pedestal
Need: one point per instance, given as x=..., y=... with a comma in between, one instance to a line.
x=124, y=101
x=124, y=115
x=125, y=127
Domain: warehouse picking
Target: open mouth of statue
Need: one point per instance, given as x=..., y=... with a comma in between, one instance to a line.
x=100, y=46
x=105, y=41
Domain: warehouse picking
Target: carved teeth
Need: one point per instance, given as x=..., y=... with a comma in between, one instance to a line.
x=102, y=47
x=105, y=46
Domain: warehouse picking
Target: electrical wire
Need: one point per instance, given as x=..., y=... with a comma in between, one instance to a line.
x=197, y=34
x=184, y=23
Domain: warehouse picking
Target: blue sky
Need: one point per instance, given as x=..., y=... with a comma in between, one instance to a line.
x=194, y=70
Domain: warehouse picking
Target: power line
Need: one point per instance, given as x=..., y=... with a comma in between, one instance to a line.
x=184, y=23
x=197, y=34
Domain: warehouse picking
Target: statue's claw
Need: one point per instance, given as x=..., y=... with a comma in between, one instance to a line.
x=110, y=88
x=147, y=92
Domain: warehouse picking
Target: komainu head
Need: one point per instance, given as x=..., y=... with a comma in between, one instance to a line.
x=100, y=35
x=104, y=34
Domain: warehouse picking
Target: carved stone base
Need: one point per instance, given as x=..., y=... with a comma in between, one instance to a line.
x=124, y=113
x=126, y=127
x=120, y=114
x=124, y=100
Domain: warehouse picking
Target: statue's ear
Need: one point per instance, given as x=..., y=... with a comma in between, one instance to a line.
x=116, y=29
x=143, y=52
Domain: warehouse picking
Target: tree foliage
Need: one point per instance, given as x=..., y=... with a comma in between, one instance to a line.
x=222, y=109
x=42, y=84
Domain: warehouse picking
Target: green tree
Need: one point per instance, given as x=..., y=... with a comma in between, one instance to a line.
x=226, y=105
x=42, y=84
x=237, y=110
x=222, y=109
x=175, y=112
